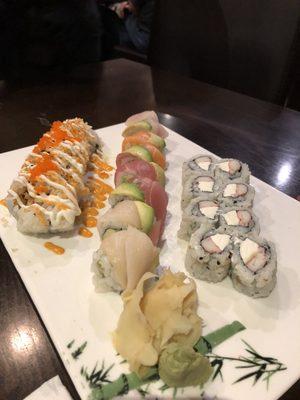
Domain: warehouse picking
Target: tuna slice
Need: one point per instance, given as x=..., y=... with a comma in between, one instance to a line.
x=124, y=158
x=156, y=197
x=156, y=232
x=134, y=169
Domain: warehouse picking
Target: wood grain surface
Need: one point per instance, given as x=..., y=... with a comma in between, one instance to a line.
x=265, y=136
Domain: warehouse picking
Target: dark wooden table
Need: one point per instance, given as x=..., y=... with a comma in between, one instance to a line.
x=265, y=136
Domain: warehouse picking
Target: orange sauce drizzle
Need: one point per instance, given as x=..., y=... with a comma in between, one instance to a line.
x=3, y=203
x=100, y=163
x=91, y=211
x=98, y=191
x=102, y=174
x=103, y=188
x=98, y=203
x=99, y=196
x=85, y=232
x=85, y=191
x=53, y=247
x=90, y=222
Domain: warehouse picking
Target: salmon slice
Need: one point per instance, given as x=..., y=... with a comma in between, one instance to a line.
x=157, y=155
x=139, y=138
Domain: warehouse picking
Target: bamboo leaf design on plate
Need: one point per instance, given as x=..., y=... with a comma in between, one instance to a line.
x=143, y=392
x=79, y=351
x=164, y=387
x=69, y=345
x=262, y=367
x=97, y=377
x=218, y=363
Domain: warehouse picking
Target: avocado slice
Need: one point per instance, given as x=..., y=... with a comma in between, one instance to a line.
x=146, y=214
x=140, y=152
x=160, y=173
x=139, y=126
x=126, y=191
x=157, y=141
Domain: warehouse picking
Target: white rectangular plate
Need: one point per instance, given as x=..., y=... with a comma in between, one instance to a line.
x=62, y=289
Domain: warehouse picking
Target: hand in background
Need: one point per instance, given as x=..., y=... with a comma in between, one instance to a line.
x=120, y=8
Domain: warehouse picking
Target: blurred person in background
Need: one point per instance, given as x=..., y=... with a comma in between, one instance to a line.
x=128, y=23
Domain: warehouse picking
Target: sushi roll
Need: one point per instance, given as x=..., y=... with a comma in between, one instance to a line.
x=229, y=169
x=209, y=254
x=127, y=213
x=203, y=187
x=47, y=194
x=122, y=259
x=238, y=221
x=238, y=194
x=254, y=267
x=198, y=212
x=200, y=165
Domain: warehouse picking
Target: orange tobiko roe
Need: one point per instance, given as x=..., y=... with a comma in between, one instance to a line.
x=53, y=138
x=44, y=165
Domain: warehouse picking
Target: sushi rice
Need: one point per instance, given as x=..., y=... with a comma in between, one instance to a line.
x=102, y=274
x=203, y=187
x=228, y=169
x=198, y=212
x=209, y=265
x=236, y=193
x=238, y=221
x=257, y=277
x=198, y=165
